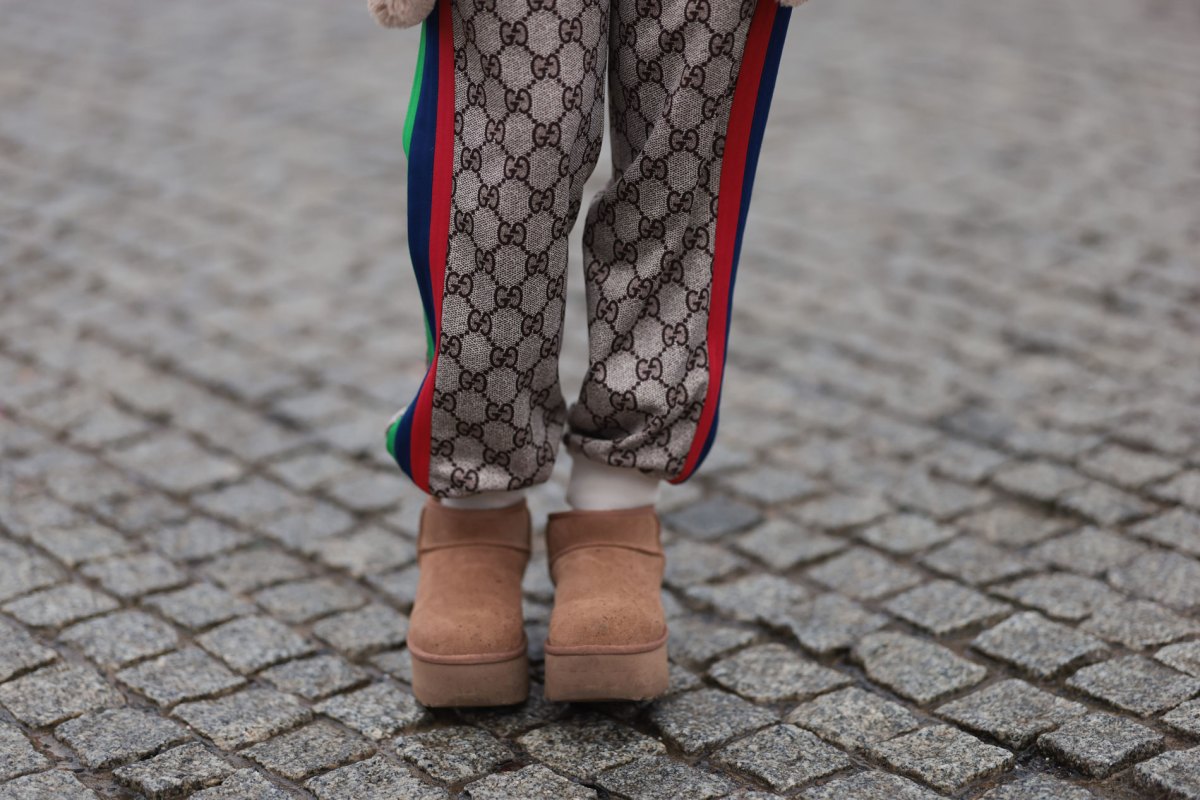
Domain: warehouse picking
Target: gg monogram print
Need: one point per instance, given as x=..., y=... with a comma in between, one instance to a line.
x=506, y=125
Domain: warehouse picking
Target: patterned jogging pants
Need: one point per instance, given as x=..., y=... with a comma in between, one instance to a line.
x=505, y=126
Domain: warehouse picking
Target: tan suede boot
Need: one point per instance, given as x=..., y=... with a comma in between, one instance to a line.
x=608, y=632
x=466, y=632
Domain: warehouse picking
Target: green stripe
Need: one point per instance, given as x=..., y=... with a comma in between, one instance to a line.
x=410, y=119
x=391, y=435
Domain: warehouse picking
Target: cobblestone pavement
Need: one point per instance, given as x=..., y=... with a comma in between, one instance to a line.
x=949, y=543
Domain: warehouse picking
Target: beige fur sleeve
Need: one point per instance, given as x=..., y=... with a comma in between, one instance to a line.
x=400, y=13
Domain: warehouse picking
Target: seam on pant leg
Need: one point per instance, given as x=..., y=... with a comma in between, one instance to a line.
x=748, y=117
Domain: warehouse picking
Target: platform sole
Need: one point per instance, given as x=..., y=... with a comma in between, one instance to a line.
x=586, y=678
x=499, y=683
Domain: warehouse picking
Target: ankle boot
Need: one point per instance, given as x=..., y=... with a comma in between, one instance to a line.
x=608, y=632
x=466, y=632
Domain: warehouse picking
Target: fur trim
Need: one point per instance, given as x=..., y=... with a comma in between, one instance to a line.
x=400, y=13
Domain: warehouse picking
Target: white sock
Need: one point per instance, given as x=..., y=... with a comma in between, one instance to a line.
x=599, y=487
x=502, y=499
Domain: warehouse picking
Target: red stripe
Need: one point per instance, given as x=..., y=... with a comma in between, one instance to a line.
x=729, y=203
x=439, y=232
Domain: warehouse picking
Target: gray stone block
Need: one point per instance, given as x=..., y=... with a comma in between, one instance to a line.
x=187, y=674
x=246, y=717
x=118, y=736
x=373, y=779
x=1135, y=684
x=1012, y=712
x=919, y=670
x=663, y=778
x=694, y=721
x=584, y=747
x=378, y=711
x=1100, y=744
x=175, y=773
x=314, y=748
x=943, y=757
x=1037, y=646
x=455, y=754
x=782, y=756
x=534, y=781
x=1176, y=774
x=772, y=672
x=55, y=693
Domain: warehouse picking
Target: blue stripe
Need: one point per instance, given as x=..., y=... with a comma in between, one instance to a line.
x=762, y=107
x=420, y=206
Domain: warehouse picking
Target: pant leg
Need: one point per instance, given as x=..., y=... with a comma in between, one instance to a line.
x=507, y=127
x=690, y=82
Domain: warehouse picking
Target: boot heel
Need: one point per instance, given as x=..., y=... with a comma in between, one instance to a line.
x=499, y=683
x=607, y=676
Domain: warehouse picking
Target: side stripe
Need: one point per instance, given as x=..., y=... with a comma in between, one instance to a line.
x=743, y=142
x=431, y=156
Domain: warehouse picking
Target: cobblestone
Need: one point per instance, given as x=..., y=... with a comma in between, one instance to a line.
x=1184, y=657
x=314, y=678
x=17, y=755
x=586, y=746
x=535, y=782
x=1101, y=744
x=59, y=605
x=56, y=693
x=1138, y=624
x=1184, y=718
x=772, y=673
x=872, y=785
x=864, y=574
x=943, y=757
x=962, y=381
x=1037, y=646
x=853, y=718
x=659, y=778
x=1135, y=684
x=1038, y=787
x=378, y=711
x=831, y=622
x=919, y=670
x=1176, y=774
x=455, y=754
x=366, y=630
x=52, y=785
x=121, y=638
x=243, y=784
x=199, y=606
x=246, y=717
x=187, y=674
x=249, y=644
x=783, y=544
x=20, y=652
x=945, y=607
x=176, y=772
x=782, y=756
x=697, y=720
x=373, y=779
x=1011, y=712
x=118, y=736
x=314, y=748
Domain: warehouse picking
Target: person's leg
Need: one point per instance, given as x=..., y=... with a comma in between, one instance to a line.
x=506, y=129
x=690, y=88
x=690, y=84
